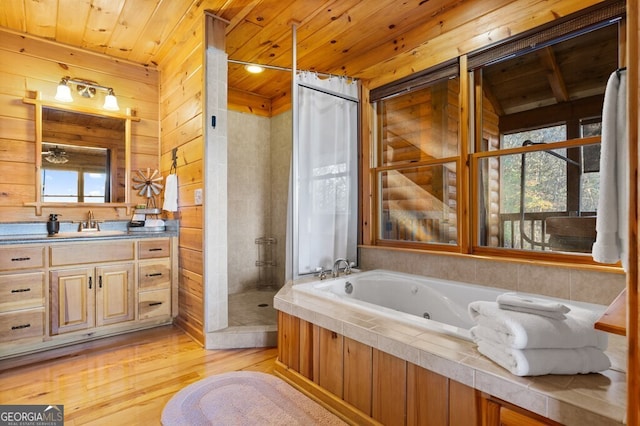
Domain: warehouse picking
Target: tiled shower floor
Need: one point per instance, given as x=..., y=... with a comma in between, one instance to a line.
x=253, y=307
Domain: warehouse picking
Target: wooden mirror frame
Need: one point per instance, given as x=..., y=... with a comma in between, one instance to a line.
x=39, y=104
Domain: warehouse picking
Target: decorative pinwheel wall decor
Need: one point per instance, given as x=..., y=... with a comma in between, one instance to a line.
x=148, y=185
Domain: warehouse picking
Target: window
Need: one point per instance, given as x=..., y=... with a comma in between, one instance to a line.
x=537, y=166
x=534, y=138
x=417, y=165
x=64, y=186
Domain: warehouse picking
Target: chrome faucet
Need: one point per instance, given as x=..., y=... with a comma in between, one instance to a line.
x=335, y=272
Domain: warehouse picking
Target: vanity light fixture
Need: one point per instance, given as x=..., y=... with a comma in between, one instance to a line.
x=87, y=89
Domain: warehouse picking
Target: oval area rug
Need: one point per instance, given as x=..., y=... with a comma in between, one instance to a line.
x=244, y=398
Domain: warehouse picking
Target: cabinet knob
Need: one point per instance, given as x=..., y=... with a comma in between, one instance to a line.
x=90, y=282
x=20, y=259
x=20, y=290
x=154, y=274
x=155, y=303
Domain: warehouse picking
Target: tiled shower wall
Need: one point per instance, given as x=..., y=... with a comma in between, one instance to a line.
x=259, y=156
x=249, y=196
x=571, y=283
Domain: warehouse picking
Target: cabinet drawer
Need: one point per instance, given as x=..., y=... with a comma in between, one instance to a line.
x=12, y=258
x=20, y=291
x=154, y=303
x=21, y=324
x=76, y=254
x=151, y=249
x=154, y=274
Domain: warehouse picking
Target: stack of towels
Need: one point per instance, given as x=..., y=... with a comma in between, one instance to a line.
x=531, y=337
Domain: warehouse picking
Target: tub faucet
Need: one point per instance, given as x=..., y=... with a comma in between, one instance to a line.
x=335, y=272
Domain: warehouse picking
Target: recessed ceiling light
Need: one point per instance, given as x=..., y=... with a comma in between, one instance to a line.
x=254, y=69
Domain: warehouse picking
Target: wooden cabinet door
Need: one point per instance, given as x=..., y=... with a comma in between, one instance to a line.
x=114, y=294
x=72, y=300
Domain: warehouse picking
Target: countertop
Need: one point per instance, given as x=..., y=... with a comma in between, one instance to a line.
x=35, y=233
x=569, y=399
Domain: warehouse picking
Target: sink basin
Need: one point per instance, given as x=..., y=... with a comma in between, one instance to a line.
x=85, y=234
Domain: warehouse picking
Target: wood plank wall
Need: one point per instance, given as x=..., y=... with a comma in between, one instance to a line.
x=181, y=112
x=29, y=64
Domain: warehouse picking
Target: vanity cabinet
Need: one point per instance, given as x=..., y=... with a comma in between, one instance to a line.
x=91, y=297
x=22, y=294
x=61, y=292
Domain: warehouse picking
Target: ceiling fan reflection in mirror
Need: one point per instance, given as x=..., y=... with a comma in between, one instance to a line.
x=148, y=185
x=56, y=155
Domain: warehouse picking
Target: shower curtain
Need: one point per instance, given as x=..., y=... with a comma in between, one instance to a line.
x=325, y=167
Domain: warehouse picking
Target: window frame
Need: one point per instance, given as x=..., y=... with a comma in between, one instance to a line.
x=426, y=79
x=467, y=162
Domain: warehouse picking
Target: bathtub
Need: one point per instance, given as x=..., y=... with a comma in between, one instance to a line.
x=429, y=303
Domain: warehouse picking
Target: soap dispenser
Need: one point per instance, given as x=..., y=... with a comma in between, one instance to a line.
x=53, y=226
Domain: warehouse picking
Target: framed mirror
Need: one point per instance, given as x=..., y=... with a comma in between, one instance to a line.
x=82, y=156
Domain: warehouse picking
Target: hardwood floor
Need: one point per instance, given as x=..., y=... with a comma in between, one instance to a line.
x=124, y=380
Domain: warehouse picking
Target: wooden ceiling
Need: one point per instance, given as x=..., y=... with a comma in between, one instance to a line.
x=341, y=37
x=372, y=40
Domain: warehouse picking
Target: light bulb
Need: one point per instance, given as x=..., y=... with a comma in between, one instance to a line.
x=110, y=102
x=63, y=93
x=254, y=69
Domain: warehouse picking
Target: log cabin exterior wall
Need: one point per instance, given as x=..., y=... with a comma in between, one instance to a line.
x=28, y=65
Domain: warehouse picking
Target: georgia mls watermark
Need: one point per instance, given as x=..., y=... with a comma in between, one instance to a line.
x=31, y=415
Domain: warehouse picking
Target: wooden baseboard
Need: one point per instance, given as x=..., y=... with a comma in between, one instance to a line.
x=337, y=406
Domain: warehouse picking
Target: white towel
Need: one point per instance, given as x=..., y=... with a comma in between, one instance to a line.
x=537, y=362
x=525, y=331
x=171, y=194
x=612, y=222
x=532, y=305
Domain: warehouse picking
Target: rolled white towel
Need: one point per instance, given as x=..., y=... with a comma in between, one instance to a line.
x=525, y=331
x=532, y=305
x=537, y=362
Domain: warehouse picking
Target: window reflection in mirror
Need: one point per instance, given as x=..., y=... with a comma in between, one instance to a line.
x=543, y=197
x=83, y=157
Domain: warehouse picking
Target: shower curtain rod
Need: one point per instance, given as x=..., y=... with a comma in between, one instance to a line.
x=274, y=67
x=330, y=93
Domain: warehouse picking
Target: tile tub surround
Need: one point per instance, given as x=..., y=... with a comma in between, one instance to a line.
x=598, y=399
x=578, y=283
